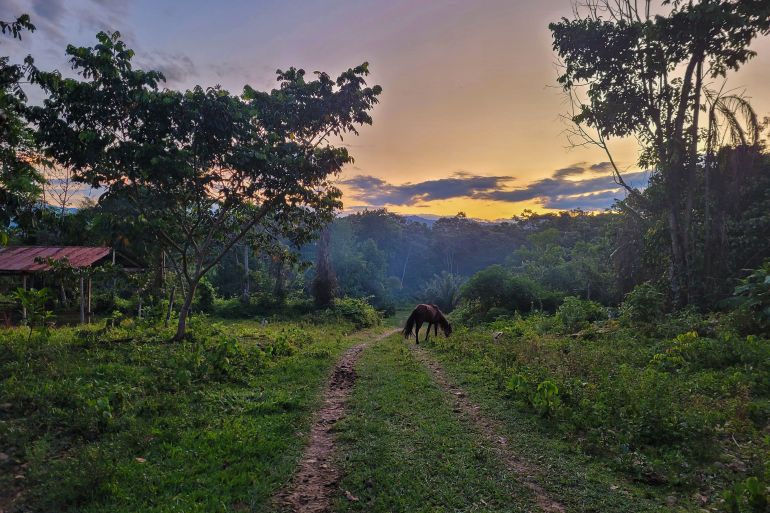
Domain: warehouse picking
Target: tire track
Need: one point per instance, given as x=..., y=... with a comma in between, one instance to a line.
x=492, y=431
x=314, y=485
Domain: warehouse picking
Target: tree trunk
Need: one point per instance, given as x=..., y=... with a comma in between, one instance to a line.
x=170, y=306
x=278, y=290
x=246, y=291
x=181, y=326
x=679, y=268
x=689, y=242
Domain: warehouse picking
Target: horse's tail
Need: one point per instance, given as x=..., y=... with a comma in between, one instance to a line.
x=410, y=324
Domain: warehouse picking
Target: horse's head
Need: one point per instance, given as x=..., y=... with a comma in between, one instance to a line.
x=445, y=326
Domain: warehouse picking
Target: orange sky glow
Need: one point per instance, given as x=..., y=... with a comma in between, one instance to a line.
x=469, y=87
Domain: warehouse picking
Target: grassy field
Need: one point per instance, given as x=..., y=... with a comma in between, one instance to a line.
x=617, y=413
x=402, y=448
x=122, y=420
x=612, y=419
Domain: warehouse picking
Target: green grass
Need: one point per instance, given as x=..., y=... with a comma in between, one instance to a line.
x=578, y=482
x=403, y=449
x=642, y=421
x=124, y=421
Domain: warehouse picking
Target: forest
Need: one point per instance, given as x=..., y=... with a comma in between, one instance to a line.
x=598, y=360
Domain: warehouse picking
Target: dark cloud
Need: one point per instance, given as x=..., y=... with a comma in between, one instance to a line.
x=175, y=67
x=594, y=201
x=376, y=191
x=601, y=167
x=556, y=192
x=582, y=168
x=575, y=169
x=49, y=10
x=554, y=188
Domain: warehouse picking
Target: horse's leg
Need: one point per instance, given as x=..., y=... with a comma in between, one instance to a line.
x=435, y=329
x=427, y=333
x=417, y=332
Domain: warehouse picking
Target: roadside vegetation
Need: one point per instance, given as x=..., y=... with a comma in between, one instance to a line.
x=118, y=419
x=677, y=403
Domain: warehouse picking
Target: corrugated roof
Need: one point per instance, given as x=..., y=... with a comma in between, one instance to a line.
x=22, y=259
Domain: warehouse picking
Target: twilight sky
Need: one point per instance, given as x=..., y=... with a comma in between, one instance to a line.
x=470, y=115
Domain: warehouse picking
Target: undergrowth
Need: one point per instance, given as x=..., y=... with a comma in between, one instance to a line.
x=682, y=404
x=119, y=419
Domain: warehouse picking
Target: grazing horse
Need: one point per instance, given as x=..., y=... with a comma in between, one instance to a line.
x=430, y=314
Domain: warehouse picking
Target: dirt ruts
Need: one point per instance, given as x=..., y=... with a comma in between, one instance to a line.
x=491, y=430
x=314, y=485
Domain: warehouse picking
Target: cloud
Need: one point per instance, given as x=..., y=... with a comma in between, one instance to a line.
x=601, y=167
x=376, y=191
x=559, y=191
x=581, y=168
x=576, y=169
x=176, y=68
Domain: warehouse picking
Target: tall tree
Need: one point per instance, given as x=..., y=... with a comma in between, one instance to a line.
x=19, y=181
x=204, y=169
x=635, y=69
x=325, y=281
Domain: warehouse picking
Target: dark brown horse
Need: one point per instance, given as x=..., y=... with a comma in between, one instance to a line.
x=430, y=314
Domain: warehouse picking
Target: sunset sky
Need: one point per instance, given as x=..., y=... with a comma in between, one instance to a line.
x=469, y=118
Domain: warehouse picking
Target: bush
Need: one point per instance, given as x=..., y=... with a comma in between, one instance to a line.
x=497, y=287
x=753, y=294
x=442, y=290
x=643, y=305
x=204, y=297
x=575, y=314
x=356, y=311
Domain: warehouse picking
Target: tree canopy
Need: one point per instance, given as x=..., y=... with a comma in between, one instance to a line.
x=203, y=168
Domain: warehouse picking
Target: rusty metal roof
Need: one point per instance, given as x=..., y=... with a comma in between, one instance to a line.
x=22, y=259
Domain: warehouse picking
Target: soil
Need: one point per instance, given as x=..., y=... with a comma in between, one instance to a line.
x=314, y=486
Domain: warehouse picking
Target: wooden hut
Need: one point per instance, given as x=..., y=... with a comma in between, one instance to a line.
x=26, y=261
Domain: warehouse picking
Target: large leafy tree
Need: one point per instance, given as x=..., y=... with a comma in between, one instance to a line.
x=642, y=70
x=204, y=168
x=19, y=181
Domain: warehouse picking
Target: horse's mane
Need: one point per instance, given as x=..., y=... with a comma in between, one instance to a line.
x=442, y=320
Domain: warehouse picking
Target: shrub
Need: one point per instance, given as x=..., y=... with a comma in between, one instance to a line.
x=575, y=314
x=644, y=304
x=34, y=302
x=443, y=290
x=204, y=297
x=497, y=312
x=749, y=496
x=356, y=311
x=753, y=293
x=497, y=287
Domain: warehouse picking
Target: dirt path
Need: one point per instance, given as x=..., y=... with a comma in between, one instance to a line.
x=314, y=485
x=491, y=430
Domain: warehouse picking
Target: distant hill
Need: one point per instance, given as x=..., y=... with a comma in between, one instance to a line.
x=428, y=219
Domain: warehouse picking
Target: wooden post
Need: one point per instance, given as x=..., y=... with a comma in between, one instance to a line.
x=114, y=280
x=24, y=308
x=246, y=291
x=82, y=301
x=89, y=300
x=170, y=306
